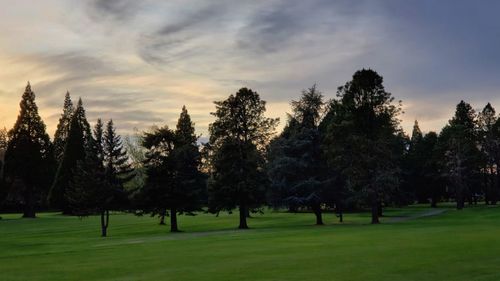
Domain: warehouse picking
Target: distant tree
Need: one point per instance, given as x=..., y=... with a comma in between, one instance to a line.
x=4, y=140
x=62, y=131
x=137, y=156
x=78, y=137
x=361, y=138
x=99, y=139
x=432, y=174
x=414, y=161
x=116, y=162
x=462, y=157
x=488, y=144
x=295, y=165
x=238, y=138
x=174, y=181
x=28, y=157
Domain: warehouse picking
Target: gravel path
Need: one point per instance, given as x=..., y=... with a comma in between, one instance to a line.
x=430, y=213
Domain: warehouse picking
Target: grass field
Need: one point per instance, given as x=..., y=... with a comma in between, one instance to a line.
x=453, y=245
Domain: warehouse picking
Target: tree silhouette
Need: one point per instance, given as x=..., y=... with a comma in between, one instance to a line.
x=237, y=141
x=29, y=156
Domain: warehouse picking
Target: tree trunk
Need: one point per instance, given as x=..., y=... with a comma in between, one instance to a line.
x=173, y=220
x=460, y=202
x=340, y=213
x=243, y=218
x=379, y=209
x=433, y=202
x=162, y=217
x=319, y=216
x=375, y=210
x=29, y=204
x=104, y=223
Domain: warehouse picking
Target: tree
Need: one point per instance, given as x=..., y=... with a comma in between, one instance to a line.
x=62, y=131
x=3, y=147
x=461, y=154
x=28, y=157
x=79, y=137
x=116, y=163
x=174, y=181
x=295, y=165
x=237, y=142
x=362, y=138
x=488, y=144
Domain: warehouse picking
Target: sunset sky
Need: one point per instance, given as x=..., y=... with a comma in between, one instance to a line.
x=138, y=62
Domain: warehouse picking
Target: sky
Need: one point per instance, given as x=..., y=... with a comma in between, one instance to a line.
x=139, y=62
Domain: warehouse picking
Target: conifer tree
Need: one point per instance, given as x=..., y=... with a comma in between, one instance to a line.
x=295, y=164
x=237, y=141
x=174, y=181
x=78, y=137
x=99, y=139
x=29, y=156
x=62, y=131
x=362, y=139
x=89, y=192
x=116, y=163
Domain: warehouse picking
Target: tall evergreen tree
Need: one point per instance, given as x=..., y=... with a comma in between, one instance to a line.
x=361, y=138
x=3, y=147
x=237, y=141
x=29, y=156
x=173, y=163
x=461, y=155
x=295, y=164
x=78, y=138
x=99, y=139
x=488, y=144
x=116, y=163
x=62, y=131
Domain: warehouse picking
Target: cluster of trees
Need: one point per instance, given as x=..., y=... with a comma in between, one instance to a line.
x=346, y=153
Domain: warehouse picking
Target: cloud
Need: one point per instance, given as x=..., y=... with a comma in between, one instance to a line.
x=118, y=10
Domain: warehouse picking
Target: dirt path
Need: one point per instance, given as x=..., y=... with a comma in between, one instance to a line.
x=430, y=213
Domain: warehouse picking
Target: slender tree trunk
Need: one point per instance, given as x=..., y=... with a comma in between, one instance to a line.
x=375, y=210
x=460, y=201
x=248, y=213
x=163, y=213
x=340, y=213
x=319, y=215
x=243, y=217
x=104, y=222
x=173, y=220
x=433, y=202
x=380, y=209
x=29, y=204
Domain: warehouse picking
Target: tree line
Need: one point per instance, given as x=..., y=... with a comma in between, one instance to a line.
x=342, y=154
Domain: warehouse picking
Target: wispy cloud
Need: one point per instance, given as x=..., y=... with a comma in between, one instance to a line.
x=138, y=62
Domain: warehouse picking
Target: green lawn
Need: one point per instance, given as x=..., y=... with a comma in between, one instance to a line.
x=454, y=245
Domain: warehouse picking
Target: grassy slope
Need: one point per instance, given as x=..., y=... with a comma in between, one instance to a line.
x=455, y=245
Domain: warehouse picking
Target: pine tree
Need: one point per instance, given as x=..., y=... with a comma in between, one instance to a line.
x=174, y=181
x=237, y=141
x=4, y=141
x=462, y=157
x=89, y=192
x=3, y=147
x=363, y=139
x=29, y=156
x=99, y=139
x=78, y=137
x=116, y=163
x=489, y=147
x=295, y=164
x=62, y=131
